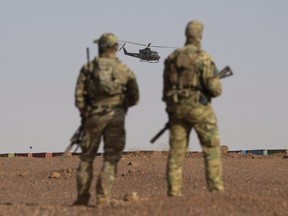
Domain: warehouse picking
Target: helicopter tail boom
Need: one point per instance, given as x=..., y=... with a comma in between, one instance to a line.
x=136, y=55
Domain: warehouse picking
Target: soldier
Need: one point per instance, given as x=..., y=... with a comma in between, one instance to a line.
x=105, y=89
x=189, y=85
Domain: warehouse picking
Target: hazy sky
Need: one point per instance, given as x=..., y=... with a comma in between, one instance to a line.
x=42, y=47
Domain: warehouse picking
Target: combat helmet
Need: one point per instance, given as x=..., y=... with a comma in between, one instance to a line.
x=194, y=31
x=107, y=40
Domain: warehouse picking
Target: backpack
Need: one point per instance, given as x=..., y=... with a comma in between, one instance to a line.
x=185, y=73
x=102, y=79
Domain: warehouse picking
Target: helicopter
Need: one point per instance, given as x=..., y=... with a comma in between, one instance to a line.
x=146, y=54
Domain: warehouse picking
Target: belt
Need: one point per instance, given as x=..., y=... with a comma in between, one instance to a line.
x=104, y=108
x=181, y=92
x=107, y=106
x=193, y=88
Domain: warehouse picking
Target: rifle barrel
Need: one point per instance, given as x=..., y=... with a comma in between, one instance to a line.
x=160, y=133
x=88, y=55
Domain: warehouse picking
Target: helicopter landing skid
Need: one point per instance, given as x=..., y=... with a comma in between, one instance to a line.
x=150, y=61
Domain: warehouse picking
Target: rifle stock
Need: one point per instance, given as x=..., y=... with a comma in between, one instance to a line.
x=67, y=150
x=75, y=140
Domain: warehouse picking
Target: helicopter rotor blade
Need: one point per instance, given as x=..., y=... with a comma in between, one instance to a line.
x=164, y=47
x=149, y=44
x=133, y=43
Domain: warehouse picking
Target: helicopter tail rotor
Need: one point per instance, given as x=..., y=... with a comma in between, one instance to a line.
x=122, y=47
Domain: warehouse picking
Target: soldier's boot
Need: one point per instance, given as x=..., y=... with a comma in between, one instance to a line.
x=105, y=183
x=174, y=193
x=103, y=201
x=174, y=178
x=82, y=200
x=214, y=169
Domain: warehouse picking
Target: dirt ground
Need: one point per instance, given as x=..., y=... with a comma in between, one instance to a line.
x=255, y=185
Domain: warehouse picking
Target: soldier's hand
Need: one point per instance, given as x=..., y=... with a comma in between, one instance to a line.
x=82, y=111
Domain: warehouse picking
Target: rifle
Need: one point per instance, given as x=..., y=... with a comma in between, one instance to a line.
x=225, y=72
x=160, y=133
x=75, y=140
x=88, y=55
x=78, y=135
x=204, y=96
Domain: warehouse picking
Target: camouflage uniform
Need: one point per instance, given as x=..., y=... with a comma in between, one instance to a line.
x=103, y=108
x=189, y=84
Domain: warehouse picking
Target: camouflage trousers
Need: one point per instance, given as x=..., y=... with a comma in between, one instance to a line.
x=207, y=133
x=110, y=126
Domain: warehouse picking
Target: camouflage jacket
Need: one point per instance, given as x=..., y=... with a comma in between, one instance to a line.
x=86, y=100
x=186, y=75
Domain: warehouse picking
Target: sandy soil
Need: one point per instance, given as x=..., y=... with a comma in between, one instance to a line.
x=255, y=185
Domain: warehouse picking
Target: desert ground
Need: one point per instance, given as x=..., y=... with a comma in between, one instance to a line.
x=255, y=185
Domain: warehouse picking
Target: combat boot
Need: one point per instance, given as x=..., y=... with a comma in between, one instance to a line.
x=82, y=201
x=102, y=201
x=216, y=187
x=174, y=194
